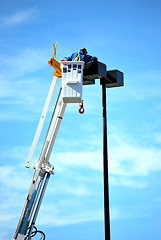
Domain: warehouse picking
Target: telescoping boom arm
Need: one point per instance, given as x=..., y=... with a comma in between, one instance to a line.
x=70, y=92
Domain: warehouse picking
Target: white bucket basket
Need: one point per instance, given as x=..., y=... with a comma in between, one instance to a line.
x=72, y=80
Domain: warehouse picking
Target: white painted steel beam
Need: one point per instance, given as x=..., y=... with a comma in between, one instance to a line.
x=41, y=122
x=55, y=128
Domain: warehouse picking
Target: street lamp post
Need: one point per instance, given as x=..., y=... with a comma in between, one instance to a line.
x=108, y=79
x=105, y=165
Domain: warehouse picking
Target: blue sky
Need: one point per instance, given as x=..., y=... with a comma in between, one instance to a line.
x=125, y=35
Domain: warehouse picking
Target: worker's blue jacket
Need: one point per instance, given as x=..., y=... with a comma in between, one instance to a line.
x=81, y=56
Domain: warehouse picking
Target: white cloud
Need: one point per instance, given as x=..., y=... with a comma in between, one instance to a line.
x=77, y=186
x=24, y=62
x=25, y=93
x=68, y=211
x=19, y=88
x=146, y=93
x=77, y=189
x=128, y=162
x=127, y=181
x=14, y=178
x=19, y=17
x=90, y=160
x=132, y=160
x=18, y=154
x=139, y=88
x=125, y=159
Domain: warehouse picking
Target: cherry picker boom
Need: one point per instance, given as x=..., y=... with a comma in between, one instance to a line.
x=70, y=92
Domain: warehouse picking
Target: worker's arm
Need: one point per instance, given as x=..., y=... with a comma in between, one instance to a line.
x=72, y=57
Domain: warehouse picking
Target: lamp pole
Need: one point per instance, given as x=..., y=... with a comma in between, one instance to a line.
x=108, y=79
x=105, y=164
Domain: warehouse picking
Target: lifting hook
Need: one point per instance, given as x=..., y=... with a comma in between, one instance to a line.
x=81, y=109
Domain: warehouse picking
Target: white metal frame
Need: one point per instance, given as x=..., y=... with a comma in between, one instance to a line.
x=41, y=122
x=43, y=169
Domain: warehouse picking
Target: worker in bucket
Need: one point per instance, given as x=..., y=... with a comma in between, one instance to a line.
x=81, y=56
